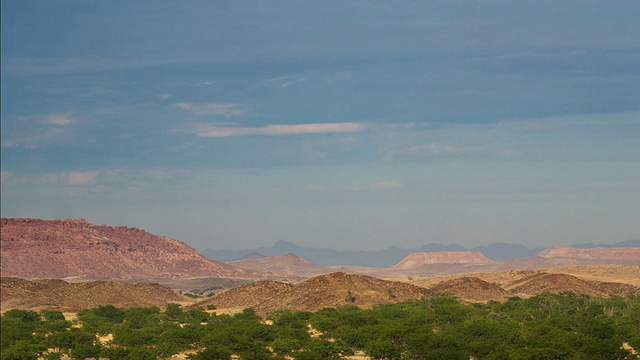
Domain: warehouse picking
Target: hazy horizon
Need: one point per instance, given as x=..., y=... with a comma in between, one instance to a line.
x=357, y=125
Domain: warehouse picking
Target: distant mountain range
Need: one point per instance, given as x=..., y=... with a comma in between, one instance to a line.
x=388, y=257
x=33, y=248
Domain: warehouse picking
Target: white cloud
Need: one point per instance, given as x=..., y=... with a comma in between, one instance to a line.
x=41, y=130
x=201, y=109
x=206, y=130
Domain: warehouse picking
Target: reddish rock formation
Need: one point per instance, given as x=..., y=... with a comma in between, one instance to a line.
x=34, y=248
x=439, y=263
x=431, y=258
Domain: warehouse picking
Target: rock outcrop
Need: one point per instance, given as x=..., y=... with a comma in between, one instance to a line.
x=34, y=248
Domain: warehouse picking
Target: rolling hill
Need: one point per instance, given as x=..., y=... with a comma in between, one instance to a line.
x=54, y=294
x=329, y=290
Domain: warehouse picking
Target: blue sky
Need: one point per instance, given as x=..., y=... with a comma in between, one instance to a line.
x=353, y=125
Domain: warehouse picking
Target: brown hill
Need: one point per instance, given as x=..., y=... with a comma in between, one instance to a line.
x=558, y=283
x=264, y=296
x=288, y=265
x=34, y=248
x=471, y=289
x=330, y=290
x=60, y=295
x=600, y=276
x=626, y=274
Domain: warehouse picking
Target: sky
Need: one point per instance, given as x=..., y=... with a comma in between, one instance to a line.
x=347, y=124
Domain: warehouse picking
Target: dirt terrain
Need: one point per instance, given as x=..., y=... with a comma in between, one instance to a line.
x=54, y=294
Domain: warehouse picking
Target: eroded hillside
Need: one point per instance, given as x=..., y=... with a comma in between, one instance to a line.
x=34, y=248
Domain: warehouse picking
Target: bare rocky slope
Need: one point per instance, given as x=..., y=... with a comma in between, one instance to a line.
x=329, y=290
x=471, y=289
x=34, y=248
x=539, y=283
x=55, y=294
x=339, y=289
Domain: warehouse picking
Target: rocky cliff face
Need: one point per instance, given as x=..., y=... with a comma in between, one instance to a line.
x=36, y=248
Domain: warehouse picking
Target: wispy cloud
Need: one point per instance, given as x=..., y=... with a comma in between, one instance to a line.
x=41, y=130
x=286, y=81
x=40, y=138
x=207, y=130
x=60, y=119
x=70, y=178
x=202, y=109
x=48, y=65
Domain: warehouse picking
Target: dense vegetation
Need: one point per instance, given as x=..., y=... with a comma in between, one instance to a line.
x=547, y=326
